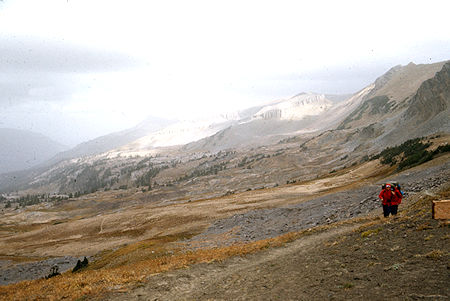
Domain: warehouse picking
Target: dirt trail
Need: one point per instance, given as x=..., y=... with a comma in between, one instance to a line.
x=223, y=280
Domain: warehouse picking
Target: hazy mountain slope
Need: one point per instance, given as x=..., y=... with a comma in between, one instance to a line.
x=332, y=117
x=429, y=109
x=283, y=118
x=372, y=110
x=331, y=137
x=21, y=149
x=367, y=116
x=425, y=112
x=336, y=98
x=391, y=94
x=399, y=81
x=254, y=126
x=112, y=141
x=382, y=120
x=258, y=132
x=432, y=98
x=177, y=134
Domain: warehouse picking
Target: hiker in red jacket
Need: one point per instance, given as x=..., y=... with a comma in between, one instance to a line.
x=391, y=198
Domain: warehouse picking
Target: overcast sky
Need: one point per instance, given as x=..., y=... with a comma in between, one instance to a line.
x=77, y=69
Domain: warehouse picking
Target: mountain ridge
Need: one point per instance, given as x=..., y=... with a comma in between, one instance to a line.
x=111, y=141
x=22, y=149
x=364, y=124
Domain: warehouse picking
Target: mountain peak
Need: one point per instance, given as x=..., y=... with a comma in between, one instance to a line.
x=400, y=82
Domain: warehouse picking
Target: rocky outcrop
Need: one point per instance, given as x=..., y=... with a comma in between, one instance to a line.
x=295, y=108
x=80, y=265
x=432, y=98
x=403, y=99
x=384, y=79
x=367, y=112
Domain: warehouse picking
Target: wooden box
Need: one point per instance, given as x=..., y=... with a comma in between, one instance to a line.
x=441, y=209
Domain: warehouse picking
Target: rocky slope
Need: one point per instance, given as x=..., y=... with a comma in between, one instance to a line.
x=400, y=105
x=302, y=114
x=255, y=125
x=375, y=110
x=391, y=94
x=430, y=105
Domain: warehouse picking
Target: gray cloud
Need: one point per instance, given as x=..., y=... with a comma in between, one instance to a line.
x=16, y=88
x=19, y=54
x=43, y=70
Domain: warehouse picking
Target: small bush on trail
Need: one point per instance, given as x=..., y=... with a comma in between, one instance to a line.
x=435, y=254
x=370, y=232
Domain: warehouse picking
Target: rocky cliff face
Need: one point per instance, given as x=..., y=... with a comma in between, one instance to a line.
x=295, y=108
x=431, y=99
x=391, y=95
x=401, y=82
x=424, y=112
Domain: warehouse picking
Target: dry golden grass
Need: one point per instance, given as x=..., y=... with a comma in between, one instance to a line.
x=435, y=254
x=94, y=282
x=423, y=227
x=136, y=252
x=370, y=232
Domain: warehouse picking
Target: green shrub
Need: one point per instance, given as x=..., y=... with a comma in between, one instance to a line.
x=442, y=149
x=414, y=153
x=415, y=159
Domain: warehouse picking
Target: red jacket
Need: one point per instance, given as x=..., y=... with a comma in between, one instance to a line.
x=390, y=197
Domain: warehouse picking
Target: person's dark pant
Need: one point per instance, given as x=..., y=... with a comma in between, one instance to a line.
x=390, y=209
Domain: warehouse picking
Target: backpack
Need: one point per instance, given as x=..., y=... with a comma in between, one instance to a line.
x=394, y=184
